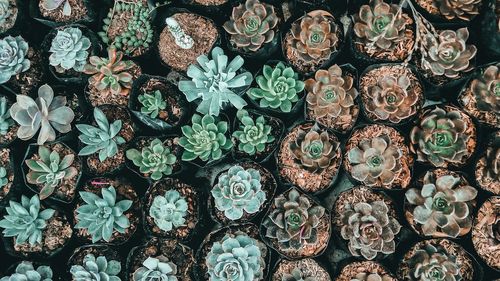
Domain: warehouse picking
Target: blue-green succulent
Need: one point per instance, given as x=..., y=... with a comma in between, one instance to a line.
x=152, y=103
x=3, y=177
x=13, y=51
x=154, y=160
x=69, y=50
x=5, y=120
x=96, y=269
x=159, y=268
x=25, y=271
x=169, y=211
x=252, y=135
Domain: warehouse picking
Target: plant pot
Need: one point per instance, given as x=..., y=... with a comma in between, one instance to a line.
x=86, y=17
x=483, y=175
x=96, y=250
x=22, y=268
x=484, y=232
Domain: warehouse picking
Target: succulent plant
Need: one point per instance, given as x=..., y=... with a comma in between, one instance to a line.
x=155, y=159
x=96, y=268
x=252, y=135
x=5, y=120
x=103, y=139
x=236, y=257
x=13, y=51
x=441, y=137
x=238, y=191
x=159, y=268
x=112, y=75
x=69, y=50
x=152, y=103
x=3, y=177
x=434, y=263
x=314, y=149
x=26, y=221
x=464, y=10
x=169, y=211
x=363, y=276
x=375, y=161
x=486, y=89
x=297, y=275
x=330, y=94
x=25, y=271
x=369, y=228
x=278, y=87
x=50, y=170
x=448, y=54
x=252, y=25
x=51, y=5
x=216, y=82
x=493, y=160
x=314, y=37
x=183, y=40
x=293, y=220
x=46, y=114
x=442, y=204
x=493, y=224
x=100, y=217
x=5, y=13
x=205, y=139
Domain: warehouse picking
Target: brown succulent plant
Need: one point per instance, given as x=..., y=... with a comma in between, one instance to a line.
x=488, y=166
x=486, y=232
x=453, y=9
x=330, y=98
x=252, y=25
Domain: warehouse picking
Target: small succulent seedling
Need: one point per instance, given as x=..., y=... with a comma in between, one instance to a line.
x=51, y=5
x=252, y=135
x=169, y=211
x=152, y=103
x=156, y=160
x=181, y=39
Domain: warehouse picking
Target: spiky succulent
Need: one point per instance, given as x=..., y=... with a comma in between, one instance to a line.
x=239, y=191
x=152, y=103
x=159, y=268
x=297, y=275
x=103, y=139
x=375, y=161
x=442, y=204
x=370, y=229
x=363, y=276
x=51, y=5
x=96, y=268
x=26, y=271
x=69, y=50
x=216, y=82
x=236, y=257
x=293, y=220
x=205, y=139
x=13, y=51
x=5, y=120
x=169, y=211
x=314, y=149
x=279, y=87
x=155, y=160
x=111, y=75
x=252, y=135
x=100, y=217
x=440, y=137
x=26, y=221
x=252, y=25
x=453, y=9
x=50, y=170
x=486, y=89
x=3, y=177
x=46, y=114
x=5, y=13
x=431, y=263
x=331, y=95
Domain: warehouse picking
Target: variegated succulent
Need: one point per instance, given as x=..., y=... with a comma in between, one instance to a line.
x=486, y=89
x=433, y=263
x=314, y=149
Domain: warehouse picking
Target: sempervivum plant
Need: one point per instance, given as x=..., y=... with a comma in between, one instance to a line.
x=253, y=136
x=432, y=262
x=26, y=271
x=13, y=51
x=442, y=206
x=252, y=25
x=169, y=211
x=155, y=160
x=279, y=87
x=370, y=229
x=216, y=82
x=159, y=268
x=69, y=50
x=46, y=114
x=96, y=268
x=238, y=191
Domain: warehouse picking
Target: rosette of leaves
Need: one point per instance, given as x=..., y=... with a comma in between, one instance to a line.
x=26, y=221
x=51, y=5
x=3, y=177
x=453, y=9
x=152, y=103
x=111, y=75
x=69, y=50
x=156, y=160
x=314, y=150
x=331, y=95
x=440, y=137
x=236, y=257
x=433, y=263
x=50, y=170
x=13, y=51
x=293, y=220
x=101, y=216
x=252, y=25
x=169, y=211
x=370, y=229
x=486, y=89
x=205, y=139
x=278, y=87
x=45, y=115
x=103, y=139
x=25, y=271
x=216, y=82
x=159, y=268
x=96, y=268
x=363, y=276
x=297, y=275
x=5, y=120
x=442, y=205
x=239, y=191
x=252, y=135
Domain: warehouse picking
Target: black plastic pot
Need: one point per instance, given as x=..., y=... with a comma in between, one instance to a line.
x=88, y=20
x=97, y=250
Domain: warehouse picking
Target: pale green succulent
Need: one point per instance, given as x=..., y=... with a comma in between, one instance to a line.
x=100, y=217
x=26, y=221
x=215, y=82
x=152, y=103
x=96, y=269
x=252, y=135
x=3, y=177
x=169, y=211
x=156, y=160
x=5, y=120
x=69, y=50
x=159, y=268
x=25, y=271
x=13, y=51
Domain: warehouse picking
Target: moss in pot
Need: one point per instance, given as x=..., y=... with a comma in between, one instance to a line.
x=304, y=269
x=486, y=232
x=364, y=271
x=8, y=128
x=100, y=260
x=486, y=173
x=6, y=173
x=27, y=270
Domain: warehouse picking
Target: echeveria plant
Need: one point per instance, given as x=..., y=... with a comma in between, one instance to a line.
x=159, y=268
x=155, y=160
x=13, y=51
x=252, y=135
x=96, y=268
x=69, y=50
x=26, y=271
x=152, y=103
x=169, y=211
